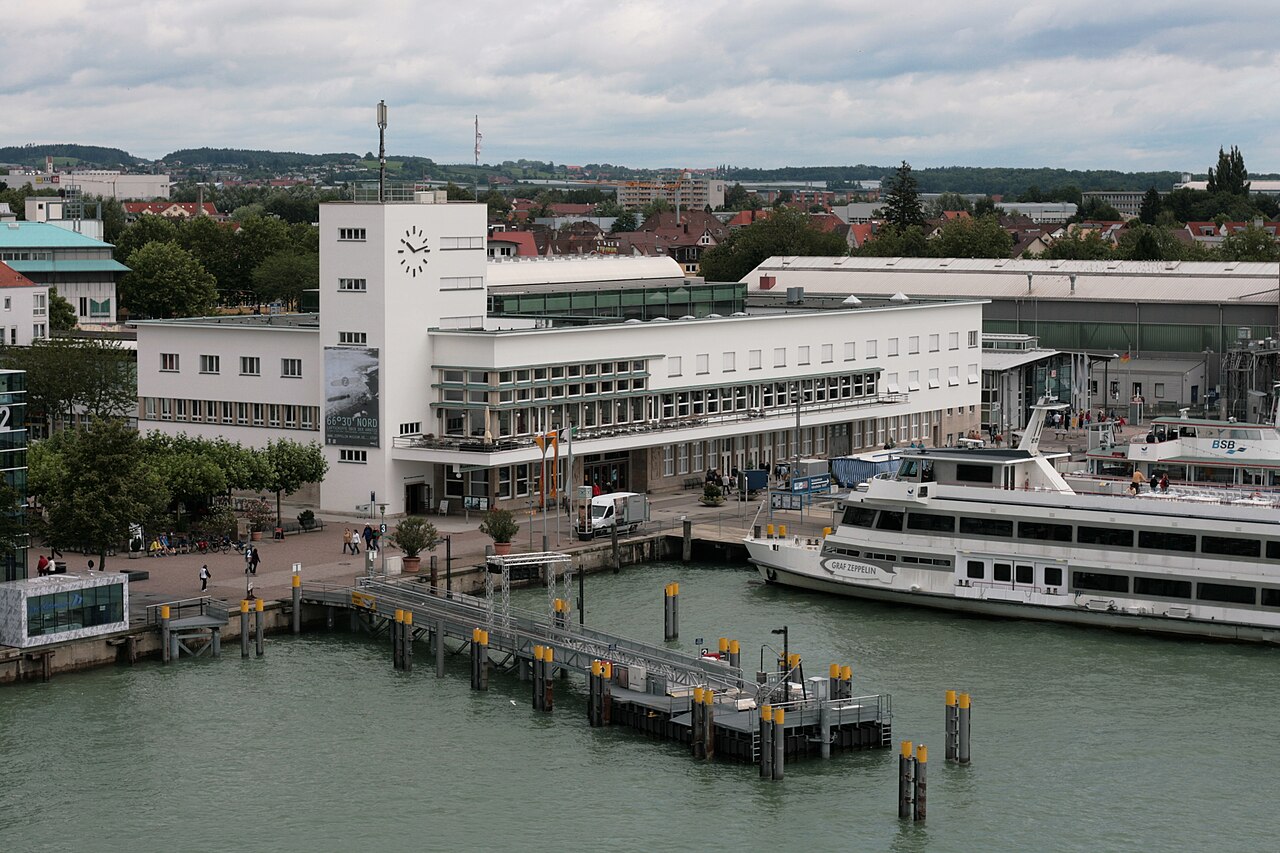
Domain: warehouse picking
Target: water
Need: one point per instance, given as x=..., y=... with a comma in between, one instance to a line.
x=1084, y=740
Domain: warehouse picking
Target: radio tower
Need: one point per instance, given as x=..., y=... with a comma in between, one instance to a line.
x=475, y=184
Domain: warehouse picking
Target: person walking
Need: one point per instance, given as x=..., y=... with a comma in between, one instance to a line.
x=346, y=541
x=253, y=562
x=204, y=577
x=368, y=537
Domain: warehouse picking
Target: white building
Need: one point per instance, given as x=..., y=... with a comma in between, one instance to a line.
x=80, y=267
x=109, y=184
x=427, y=399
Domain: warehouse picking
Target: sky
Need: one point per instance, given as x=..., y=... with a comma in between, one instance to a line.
x=1133, y=85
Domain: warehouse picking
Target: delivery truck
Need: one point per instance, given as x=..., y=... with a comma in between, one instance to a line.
x=624, y=510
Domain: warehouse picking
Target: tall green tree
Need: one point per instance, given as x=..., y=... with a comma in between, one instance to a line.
x=1152, y=243
x=98, y=377
x=1230, y=176
x=966, y=237
x=783, y=232
x=292, y=466
x=1251, y=244
x=286, y=274
x=148, y=228
x=902, y=199
x=165, y=281
x=93, y=484
x=1078, y=246
x=62, y=316
x=1150, y=210
x=953, y=201
x=625, y=221
x=893, y=242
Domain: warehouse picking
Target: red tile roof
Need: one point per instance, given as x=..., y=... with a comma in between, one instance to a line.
x=9, y=277
x=170, y=208
x=523, y=240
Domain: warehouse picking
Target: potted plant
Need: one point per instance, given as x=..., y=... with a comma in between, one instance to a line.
x=260, y=515
x=306, y=519
x=413, y=535
x=500, y=525
x=712, y=495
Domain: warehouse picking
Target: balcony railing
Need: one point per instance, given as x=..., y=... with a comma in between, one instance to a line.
x=479, y=444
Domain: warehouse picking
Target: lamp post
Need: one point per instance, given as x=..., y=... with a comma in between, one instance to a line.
x=1204, y=380
x=786, y=644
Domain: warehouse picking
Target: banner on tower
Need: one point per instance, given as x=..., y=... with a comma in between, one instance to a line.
x=351, y=396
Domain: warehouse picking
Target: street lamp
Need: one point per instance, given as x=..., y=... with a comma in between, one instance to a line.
x=786, y=644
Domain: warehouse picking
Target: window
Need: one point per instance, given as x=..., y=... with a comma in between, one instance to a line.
x=967, y=472
x=933, y=343
x=1002, y=572
x=986, y=526
x=451, y=243
x=291, y=368
x=889, y=520
x=753, y=359
x=353, y=285
x=973, y=373
x=38, y=330
x=1052, y=576
x=1164, y=540
x=729, y=362
x=8, y=303
x=976, y=569
x=703, y=363
x=1226, y=592
x=859, y=516
x=973, y=339
x=891, y=383
x=934, y=381
x=913, y=380
x=893, y=347
x=1162, y=587
x=828, y=353
x=668, y=461
x=84, y=306
x=210, y=364
x=913, y=345
x=1114, y=537
x=359, y=457
x=935, y=523
x=351, y=234
x=1024, y=574
x=1044, y=531
x=802, y=355
x=873, y=349
x=169, y=362
x=1159, y=390
x=250, y=365
x=356, y=338
x=674, y=367
x=462, y=282
x=1099, y=581
x=1271, y=598
x=39, y=304
x=953, y=340
x=1231, y=546
x=953, y=375
x=780, y=357
x=414, y=428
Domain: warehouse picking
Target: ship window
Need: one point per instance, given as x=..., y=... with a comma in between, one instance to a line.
x=1052, y=576
x=1271, y=598
x=986, y=526
x=1228, y=592
x=889, y=520
x=1230, y=545
x=1162, y=587
x=1024, y=574
x=969, y=473
x=1003, y=572
x=938, y=523
x=1164, y=540
x=859, y=516
x=1273, y=550
x=976, y=569
x=1116, y=537
x=1099, y=581
x=1044, y=530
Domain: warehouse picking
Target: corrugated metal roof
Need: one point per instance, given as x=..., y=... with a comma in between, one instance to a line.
x=76, y=265
x=1009, y=359
x=42, y=235
x=1096, y=281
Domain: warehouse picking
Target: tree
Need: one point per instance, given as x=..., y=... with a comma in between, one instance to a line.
x=62, y=317
x=66, y=374
x=1230, y=177
x=1078, y=246
x=453, y=192
x=625, y=221
x=148, y=228
x=894, y=242
x=1097, y=210
x=291, y=465
x=259, y=238
x=1150, y=210
x=1251, y=244
x=94, y=484
x=953, y=201
x=966, y=237
x=165, y=281
x=13, y=524
x=658, y=205
x=902, y=200
x=1151, y=243
x=735, y=197
x=286, y=274
x=784, y=232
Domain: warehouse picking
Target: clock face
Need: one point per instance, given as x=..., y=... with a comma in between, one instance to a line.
x=413, y=251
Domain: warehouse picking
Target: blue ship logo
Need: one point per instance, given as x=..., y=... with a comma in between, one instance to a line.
x=1236, y=450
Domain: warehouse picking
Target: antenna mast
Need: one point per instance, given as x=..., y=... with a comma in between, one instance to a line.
x=476, y=180
x=382, y=151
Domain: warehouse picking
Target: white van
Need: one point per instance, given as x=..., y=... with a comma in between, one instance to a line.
x=626, y=510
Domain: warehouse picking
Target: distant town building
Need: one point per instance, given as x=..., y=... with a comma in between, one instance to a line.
x=78, y=265
x=1127, y=202
x=117, y=185
x=687, y=192
x=170, y=209
x=1041, y=212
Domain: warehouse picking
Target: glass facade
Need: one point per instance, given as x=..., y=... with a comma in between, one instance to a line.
x=70, y=611
x=13, y=462
x=698, y=300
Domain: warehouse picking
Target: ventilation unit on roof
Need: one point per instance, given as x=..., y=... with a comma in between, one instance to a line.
x=852, y=301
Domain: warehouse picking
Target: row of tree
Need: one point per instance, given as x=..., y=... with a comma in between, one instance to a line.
x=97, y=481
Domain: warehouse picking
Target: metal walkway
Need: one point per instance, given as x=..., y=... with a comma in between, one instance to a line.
x=515, y=631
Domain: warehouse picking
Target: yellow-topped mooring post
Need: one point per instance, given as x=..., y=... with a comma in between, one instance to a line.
x=259, y=618
x=697, y=741
x=963, y=717
x=779, y=739
x=244, y=627
x=906, y=779
x=951, y=727
x=406, y=642
x=735, y=655
x=296, y=580
x=846, y=676
x=671, y=612
x=922, y=765
x=166, y=652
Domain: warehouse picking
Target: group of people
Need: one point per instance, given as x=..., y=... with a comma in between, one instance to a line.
x=727, y=482
x=351, y=539
x=1161, y=482
x=1085, y=418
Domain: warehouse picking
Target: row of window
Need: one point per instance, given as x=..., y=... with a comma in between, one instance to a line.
x=69, y=611
x=358, y=457
x=1214, y=591
x=250, y=365
x=892, y=385
x=446, y=243
x=1045, y=531
x=561, y=372
x=826, y=355
x=24, y=255
x=39, y=304
x=275, y=415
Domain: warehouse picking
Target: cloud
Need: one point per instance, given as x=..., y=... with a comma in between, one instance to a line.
x=660, y=83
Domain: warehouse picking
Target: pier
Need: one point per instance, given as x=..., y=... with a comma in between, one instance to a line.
x=704, y=701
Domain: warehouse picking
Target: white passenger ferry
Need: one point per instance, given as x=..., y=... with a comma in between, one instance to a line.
x=1000, y=532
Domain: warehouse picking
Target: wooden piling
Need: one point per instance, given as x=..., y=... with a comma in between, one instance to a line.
x=537, y=691
x=697, y=741
x=779, y=743
x=906, y=780
x=675, y=611
x=439, y=648
x=709, y=724
x=606, y=694
x=686, y=549
x=406, y=649
x=548, y=680
x=260, y=619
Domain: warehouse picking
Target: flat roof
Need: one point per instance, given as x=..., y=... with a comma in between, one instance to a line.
x=1009, y=359
x=74, y=265
x=304, y=322
x=42, y=235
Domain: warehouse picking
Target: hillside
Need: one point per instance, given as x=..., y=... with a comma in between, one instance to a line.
x=68, y=154
x=253, y=159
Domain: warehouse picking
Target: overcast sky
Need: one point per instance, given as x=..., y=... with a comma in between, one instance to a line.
x=1139, y=84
